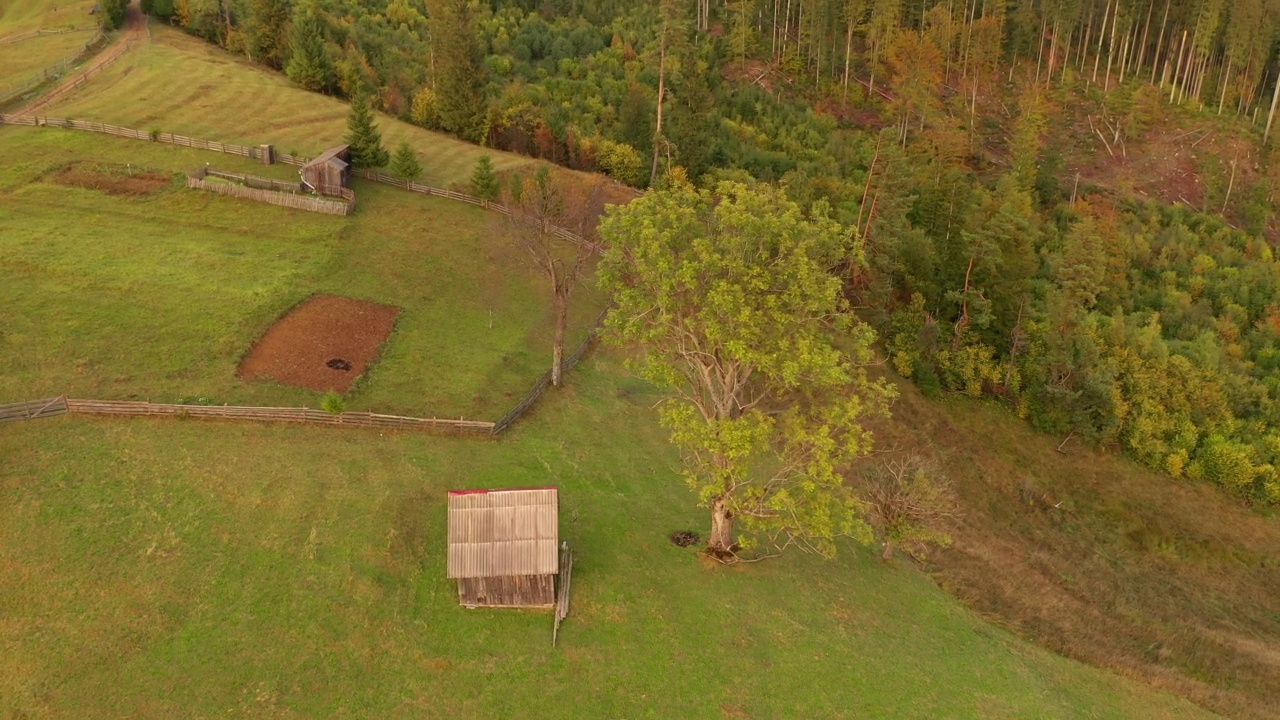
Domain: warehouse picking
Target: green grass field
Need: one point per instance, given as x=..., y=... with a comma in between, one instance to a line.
x=159, y=296
x=25, y=58
x=154, y=568
x=180, y=84
x=158, y=568
x=22, y=61
x=21, y=16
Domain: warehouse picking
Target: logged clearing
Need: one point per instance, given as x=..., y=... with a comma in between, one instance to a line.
x=179, y=84
x=154, y=569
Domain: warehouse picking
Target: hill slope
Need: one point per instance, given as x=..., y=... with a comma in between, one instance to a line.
x=182, y=85
x=154, y=568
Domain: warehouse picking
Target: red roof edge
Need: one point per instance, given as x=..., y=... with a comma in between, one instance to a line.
x=496, y=490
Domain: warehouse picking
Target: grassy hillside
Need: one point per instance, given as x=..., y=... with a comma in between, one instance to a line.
x=158, y=296
x=22, y=60
x=155, y=568
x=21, y=16
x=1103, y=560
x=180, y=84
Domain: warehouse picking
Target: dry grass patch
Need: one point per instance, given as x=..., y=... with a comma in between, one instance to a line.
x=112, y=179
x=1104, y=561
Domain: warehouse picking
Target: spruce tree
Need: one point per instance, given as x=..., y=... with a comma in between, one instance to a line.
x=364, y=141
x=405, y=164
x=484, y=181
x=460, y=71
x=309, y=64
x=268, y=32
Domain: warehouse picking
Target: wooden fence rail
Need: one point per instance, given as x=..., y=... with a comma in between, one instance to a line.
x=272, y=192
x=36, y=33
x=56, y=70
x=32, y=409
x=540, y=387
x=274, y=188
x=131, y=408
x=257, y=153
x=81, y=79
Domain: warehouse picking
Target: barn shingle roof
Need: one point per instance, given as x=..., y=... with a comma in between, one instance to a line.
x=496, y=533
x=330, y=156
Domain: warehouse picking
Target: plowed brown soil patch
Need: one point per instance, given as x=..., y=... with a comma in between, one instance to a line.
x=112, y=179
x=299, y=348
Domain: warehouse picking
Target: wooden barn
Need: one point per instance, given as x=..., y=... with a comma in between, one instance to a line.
x=327, y=173
x=503, y=546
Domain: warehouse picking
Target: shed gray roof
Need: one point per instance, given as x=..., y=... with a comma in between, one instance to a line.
x=330, y=156
x=497, y=533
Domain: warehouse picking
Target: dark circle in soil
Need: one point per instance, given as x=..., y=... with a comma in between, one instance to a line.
x=339, y=364
x=685, y=538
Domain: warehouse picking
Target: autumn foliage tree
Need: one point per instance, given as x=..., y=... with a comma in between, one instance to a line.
x=732, y=299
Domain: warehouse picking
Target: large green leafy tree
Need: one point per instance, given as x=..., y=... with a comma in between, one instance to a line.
x=309, y=63
x=459, y=68
x=364, y=140
x=732, y=297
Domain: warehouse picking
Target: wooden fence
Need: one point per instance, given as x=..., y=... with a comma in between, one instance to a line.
x=274, y=188
x=562, y=592
x=272, y=192
x=54, y=71
x=260, y=152
x=36, y=33
x=32, y=409
x=540, y=387
x=562, y=233
x=281, y=415
x=81, y=79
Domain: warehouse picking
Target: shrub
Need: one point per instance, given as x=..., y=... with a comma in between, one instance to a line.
x=333, y=403
x=909, y=501
x=621, y=162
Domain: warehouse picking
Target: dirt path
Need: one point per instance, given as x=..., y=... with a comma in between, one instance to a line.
x=134, y=31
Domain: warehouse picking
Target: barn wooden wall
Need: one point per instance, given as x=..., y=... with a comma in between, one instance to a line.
x=509, y=591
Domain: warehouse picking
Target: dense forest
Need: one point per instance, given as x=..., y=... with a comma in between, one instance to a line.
x=940, y=133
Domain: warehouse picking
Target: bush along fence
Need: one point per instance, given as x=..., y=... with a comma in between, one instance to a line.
x=269, y=191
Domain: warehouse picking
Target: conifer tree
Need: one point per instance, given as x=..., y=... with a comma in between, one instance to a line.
x=309, y=64
x=460, y=72
x=363, y=139
x=405, y=164
x=484, y=181
x=268, y=40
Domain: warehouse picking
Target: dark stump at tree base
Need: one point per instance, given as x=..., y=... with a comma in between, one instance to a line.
x=685, y=538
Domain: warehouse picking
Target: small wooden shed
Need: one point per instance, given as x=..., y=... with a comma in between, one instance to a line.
x=503, y=546
x=327, y=173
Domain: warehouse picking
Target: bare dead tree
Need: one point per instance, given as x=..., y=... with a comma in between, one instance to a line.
x=541, y=205
x=910, y=501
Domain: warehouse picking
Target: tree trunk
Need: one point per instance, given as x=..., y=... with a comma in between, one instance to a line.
x=557, y=344
x=721, y=544
x=1271, y=114
x=662, y=77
